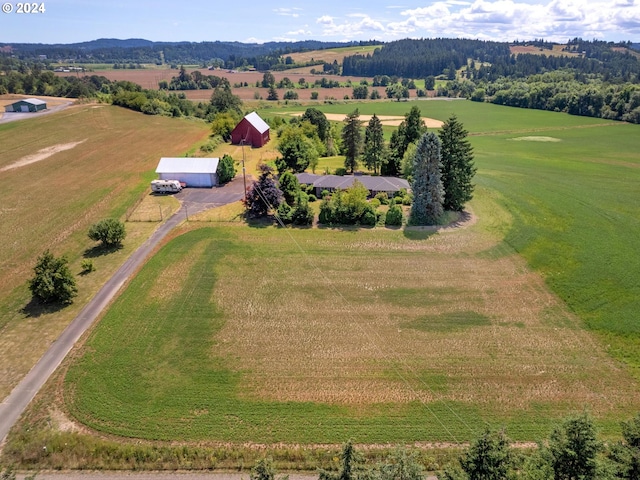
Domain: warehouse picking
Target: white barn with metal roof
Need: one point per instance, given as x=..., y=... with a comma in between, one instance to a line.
x=193, y=172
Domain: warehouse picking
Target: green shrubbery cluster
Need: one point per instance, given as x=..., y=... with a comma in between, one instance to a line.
x=348, y=207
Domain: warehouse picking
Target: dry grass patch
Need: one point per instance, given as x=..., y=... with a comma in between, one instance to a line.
x=50, y=204
x=362, y=319
x=389, y=120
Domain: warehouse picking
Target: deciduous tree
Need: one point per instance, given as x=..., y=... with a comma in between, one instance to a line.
x=110, y=231
x=53, y=280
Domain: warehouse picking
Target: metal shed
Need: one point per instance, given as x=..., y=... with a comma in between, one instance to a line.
x=26, y=105
x=193, y=172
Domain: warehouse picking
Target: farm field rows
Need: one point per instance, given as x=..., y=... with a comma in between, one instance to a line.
x=49, y=203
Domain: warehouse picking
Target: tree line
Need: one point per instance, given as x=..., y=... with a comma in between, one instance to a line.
x=572, y=451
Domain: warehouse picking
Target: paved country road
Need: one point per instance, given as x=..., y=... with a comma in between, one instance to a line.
x=13, y=405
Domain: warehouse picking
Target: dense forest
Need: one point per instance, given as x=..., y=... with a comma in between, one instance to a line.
x=229, y=55
x=421, y=58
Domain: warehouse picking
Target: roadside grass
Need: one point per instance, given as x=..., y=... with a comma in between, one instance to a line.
x=50, y=204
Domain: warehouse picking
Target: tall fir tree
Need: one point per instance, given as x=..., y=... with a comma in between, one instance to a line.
x=428, y=194
x=374, y=147
x=458, y=168
x=391, y=165
x=352, y=140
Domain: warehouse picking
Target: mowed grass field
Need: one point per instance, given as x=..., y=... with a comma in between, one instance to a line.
x=243, y=334
x=61, y=173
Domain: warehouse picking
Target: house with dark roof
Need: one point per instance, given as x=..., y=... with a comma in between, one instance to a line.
x=252, y=130
x=375, y=185
x=27, y=105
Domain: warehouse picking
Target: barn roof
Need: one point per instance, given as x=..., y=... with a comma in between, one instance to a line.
x=34, y=101
x=187, y=165
x=258, y=123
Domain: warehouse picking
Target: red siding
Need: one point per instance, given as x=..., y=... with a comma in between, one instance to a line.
x=244, y=130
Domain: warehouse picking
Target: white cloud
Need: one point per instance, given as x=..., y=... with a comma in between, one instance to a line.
x=288, y=12
x=501, y=20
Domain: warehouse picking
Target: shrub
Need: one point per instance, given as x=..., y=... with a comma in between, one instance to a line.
x=312, y=198
x=394, y=216
x=87, y=265
x=383, y=198
x=325, y=193
x=369, y=218
x=110, y=232
x=341, y=171
x=284, y=213
x=375, y=203
x=406, y=200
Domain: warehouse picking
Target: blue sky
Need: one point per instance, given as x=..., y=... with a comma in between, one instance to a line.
x=67, y=21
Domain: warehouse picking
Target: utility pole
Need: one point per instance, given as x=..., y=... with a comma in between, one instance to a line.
x=244, y=175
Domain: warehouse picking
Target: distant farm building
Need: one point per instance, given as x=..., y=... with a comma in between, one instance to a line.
x=27, y=105
x=375, y=185
x=193, y=172
x=252, y=130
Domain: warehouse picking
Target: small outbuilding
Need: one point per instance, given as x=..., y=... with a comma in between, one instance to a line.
x=27, y=105
x=252, y=130
x=193, y=172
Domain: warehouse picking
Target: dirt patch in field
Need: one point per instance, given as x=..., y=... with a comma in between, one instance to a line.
x=389, y=120
x=42, y=154
x=535, y=138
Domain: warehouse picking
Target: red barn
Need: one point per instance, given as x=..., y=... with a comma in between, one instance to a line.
x=252, y=129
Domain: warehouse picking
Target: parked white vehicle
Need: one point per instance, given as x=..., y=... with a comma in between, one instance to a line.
x=165, y=186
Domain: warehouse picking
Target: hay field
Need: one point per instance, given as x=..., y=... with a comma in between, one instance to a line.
x=50, y=201
x=266, y=335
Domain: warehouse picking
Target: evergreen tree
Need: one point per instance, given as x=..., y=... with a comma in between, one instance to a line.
x=374, y=148
x=428, y=193
x=53, y=280
x=627, y=453
x=458, y=168
x=391, y=165
x=573, y=447
x=263, y=196
x=352, y=140
x=273, y=93
x=488, y=458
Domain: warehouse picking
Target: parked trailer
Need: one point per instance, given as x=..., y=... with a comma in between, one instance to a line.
x=165, y=186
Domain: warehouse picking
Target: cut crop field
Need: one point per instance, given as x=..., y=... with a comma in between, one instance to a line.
x=61, y=173
x=315, y=336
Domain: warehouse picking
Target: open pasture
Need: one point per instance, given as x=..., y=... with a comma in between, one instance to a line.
x=61, y=173
x=267, y=335
x=571, y=184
